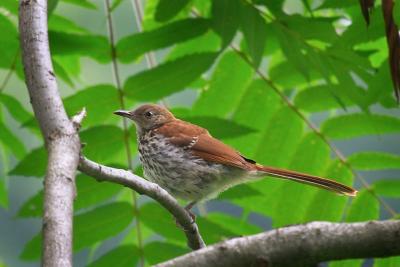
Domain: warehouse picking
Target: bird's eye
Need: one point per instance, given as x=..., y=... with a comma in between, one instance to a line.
x=148, y=114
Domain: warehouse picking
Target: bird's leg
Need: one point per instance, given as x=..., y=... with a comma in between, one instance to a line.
x=188, y=208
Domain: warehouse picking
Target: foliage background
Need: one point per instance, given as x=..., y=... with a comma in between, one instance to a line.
x=318, y=54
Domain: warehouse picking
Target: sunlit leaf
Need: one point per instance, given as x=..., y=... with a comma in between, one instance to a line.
x=3, y=193
x=122, y=256
x=358, y=212
x=162, y=251
x=101, y=223
x=9, y=45
x=11, y=141
x=131, y=47
x=82, y=3
x=89, y=228
x=224, y=14
x=167, y=9
x=311, y=154
x=89, y=192
x=168, y=78
x=327, y=206
x=93, y=46
x=161, y=221
x=220, y=128
x=374, y=161
x=59, y=23
x=97, y=111
x=387, y=187
x=229, y=80
x=102, y=143
x=33, y=164
x=354, y=125
x=208, y=42
x=254, y=29
x=319, y=98
x=14, y=107
x=387, y=262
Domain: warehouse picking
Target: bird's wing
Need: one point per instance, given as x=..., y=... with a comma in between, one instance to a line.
x=202, y=144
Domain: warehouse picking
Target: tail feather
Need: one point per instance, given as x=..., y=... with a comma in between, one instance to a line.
x=309, y=179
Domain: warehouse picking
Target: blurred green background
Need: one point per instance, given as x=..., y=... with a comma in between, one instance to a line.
x=320, y=55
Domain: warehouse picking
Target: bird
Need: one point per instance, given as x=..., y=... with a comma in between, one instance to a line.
x=192, y=165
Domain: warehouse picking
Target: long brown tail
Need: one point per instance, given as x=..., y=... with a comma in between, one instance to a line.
x=308, y=179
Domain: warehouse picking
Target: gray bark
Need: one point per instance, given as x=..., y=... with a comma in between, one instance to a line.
x=142, y=186
x=300, y=245
x=60, y=136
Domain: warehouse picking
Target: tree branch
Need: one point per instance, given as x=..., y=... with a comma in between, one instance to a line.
x=142, y=186
x=60, y=136
x=300, y=245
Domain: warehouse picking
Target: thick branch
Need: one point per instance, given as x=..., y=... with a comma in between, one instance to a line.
x=60, y=136
x=142, y=186
x=300, y=245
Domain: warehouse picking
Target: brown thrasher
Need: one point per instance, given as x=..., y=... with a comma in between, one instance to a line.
x=190, y=164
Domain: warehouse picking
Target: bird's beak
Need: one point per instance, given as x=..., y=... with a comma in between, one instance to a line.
x=123, y=113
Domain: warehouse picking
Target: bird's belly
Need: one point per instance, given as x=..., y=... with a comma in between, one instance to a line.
x=182, y=174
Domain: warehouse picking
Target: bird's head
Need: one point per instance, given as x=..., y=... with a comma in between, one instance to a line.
x=147, y=117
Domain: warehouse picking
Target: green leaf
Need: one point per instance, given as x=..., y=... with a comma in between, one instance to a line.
x=168, y=78
x=374, y=161
x=89, y=228
x=326, y=206
x=358, y=211
x=161, y=251
x=292, y=48
x=258, y=94
x=9, y=47
x=3, y=193
x=311, y=156
x=229, y=81
x=213, y=232
x=237, y=226
x=224, y=15
x=387, y=262
x=59, y=23
x=93, y=46
x=89, y=192
x=355, y=125
x=12, y=142
x=82, y=3
x=122, y=256
x=102, y=143
x=161, y=221
x=239, y=191
x=207, y=42
x=33, y=164
x=167, y=9
x=220, y=128
x=131, y=47
x=51, y=5
x=115, y=4
x=346, y=263
x=101, y=223
x=14, y=107
x=98, y=111
x=61, y=72
x=319, y=98
x=282, y=134
x=255, y=33
x=387, y=187
x=10, y=5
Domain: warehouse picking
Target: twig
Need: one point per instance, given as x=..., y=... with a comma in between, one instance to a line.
x=142, y=186
x=300, y=245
